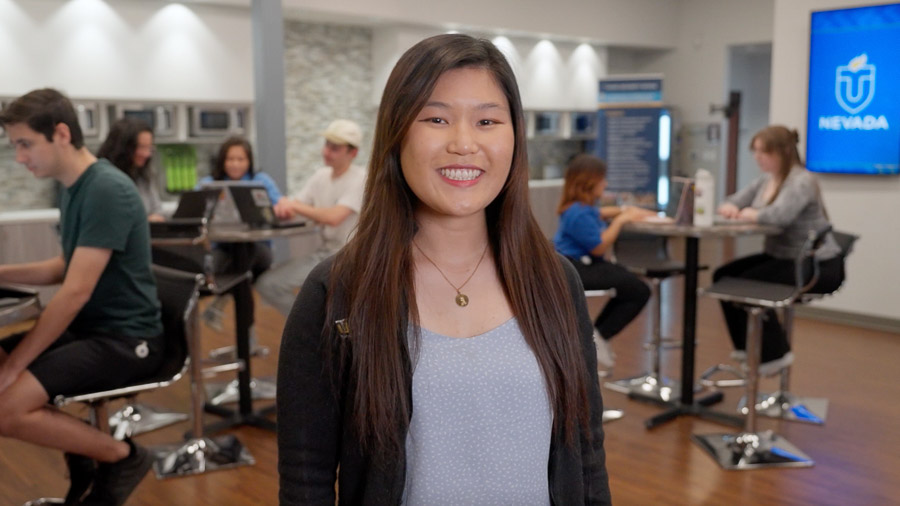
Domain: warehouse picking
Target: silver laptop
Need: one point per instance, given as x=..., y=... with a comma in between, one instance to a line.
x=226, y=210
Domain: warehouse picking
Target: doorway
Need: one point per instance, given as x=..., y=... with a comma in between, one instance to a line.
x=749, y=72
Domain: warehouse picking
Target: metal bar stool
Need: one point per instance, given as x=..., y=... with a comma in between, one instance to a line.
x=648, y=256
x=184, y=244
x=178, y=293
x=783, y=404
x=197, y=453
x=751, y=448
x=609, y=415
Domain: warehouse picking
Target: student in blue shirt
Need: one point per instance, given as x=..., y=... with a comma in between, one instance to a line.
x=584, y=237
x=235, y=163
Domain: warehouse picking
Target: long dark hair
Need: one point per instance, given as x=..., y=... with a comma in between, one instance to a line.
x=582, y=175
x=218, y=171
x=379, y=286
x=120, y=145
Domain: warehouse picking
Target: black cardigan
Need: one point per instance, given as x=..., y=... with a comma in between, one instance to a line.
x=316, y=435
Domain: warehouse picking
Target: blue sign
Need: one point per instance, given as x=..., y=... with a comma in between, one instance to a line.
x=853, y=122
x=630, y=90
x=634, y=142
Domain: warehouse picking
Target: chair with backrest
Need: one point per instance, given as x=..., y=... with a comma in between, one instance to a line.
x=178, y=292
x=185, y=245
x=198, y=453
x=782, y=403
x=648, y=256
x=752, y=449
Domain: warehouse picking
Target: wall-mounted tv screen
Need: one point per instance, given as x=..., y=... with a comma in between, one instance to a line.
x=853, y=122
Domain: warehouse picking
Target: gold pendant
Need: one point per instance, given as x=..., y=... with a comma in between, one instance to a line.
x=462, y=300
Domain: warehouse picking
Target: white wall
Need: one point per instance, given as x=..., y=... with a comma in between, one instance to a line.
x=125, y=49
x=551, y=75
x=696, y=70
x=639, y=23
x=865, y=205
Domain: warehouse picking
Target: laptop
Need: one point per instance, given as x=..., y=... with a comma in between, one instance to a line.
x=684, y=212
x=197, y=204
x=194, y=209
x=256, y=210
x=226, y=211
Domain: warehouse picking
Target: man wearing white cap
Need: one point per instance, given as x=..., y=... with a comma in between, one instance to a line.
x=332, y=197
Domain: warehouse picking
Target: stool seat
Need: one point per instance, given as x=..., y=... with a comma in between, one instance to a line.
x=656, y=268
x=751, y=292
x=609, y=292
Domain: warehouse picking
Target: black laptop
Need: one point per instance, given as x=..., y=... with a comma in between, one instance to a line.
x=195, y=209
x=197, y=204
x=255, y=208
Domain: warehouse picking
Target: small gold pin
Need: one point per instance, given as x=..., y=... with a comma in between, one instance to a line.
x=342, y=327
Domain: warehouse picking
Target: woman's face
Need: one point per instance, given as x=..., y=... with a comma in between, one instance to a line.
x=769, y=163
x=236, y=162
x=457, y=154
x=143, y=150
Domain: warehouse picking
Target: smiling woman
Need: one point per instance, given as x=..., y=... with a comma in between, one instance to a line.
x=503, y=377
x=457, y=153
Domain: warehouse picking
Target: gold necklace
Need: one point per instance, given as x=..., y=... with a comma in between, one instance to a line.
x=462, y=300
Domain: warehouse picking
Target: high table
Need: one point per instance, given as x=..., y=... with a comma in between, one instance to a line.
x=242, y=238
x=686, y=405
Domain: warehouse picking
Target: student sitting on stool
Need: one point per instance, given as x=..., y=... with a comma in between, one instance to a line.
x=102, y=329
x=583, y=237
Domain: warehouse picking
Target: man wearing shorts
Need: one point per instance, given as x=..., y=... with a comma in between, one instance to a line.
x=102, y=329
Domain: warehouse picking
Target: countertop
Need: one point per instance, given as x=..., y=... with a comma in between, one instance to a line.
x=29, y=216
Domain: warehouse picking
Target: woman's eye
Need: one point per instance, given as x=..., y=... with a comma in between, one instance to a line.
x=487, y=122
x=436, y=121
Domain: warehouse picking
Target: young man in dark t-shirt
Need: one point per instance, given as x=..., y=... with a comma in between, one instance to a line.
x=102, y=328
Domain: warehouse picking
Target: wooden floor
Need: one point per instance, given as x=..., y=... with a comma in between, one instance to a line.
x=857, y=452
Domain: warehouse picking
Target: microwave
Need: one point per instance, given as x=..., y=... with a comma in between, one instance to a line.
x=546, y=123
x=583, y=124
x=88, y=118
x=161, y=118
x=213, y=121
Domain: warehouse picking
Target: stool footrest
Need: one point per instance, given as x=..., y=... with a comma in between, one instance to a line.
x=137, y=418
x=790, y=407
x=225, y=393
x=648, y=386
x=752, y=450
x=739, y=380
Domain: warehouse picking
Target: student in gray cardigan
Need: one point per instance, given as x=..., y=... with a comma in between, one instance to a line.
x=788, y=196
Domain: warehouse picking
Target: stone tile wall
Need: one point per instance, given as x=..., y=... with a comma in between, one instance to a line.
x=328, y=75
x=19, y=189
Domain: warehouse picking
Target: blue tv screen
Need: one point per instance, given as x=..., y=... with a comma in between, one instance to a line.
x=853, y=122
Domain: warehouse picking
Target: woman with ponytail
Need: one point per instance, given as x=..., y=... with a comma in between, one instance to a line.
x=445, y=354
x=788, y=196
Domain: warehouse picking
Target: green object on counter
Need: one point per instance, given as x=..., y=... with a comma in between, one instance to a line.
x=179, y=162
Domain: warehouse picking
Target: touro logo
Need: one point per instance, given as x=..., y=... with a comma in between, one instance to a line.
x=855, y=84
x=854, y=89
